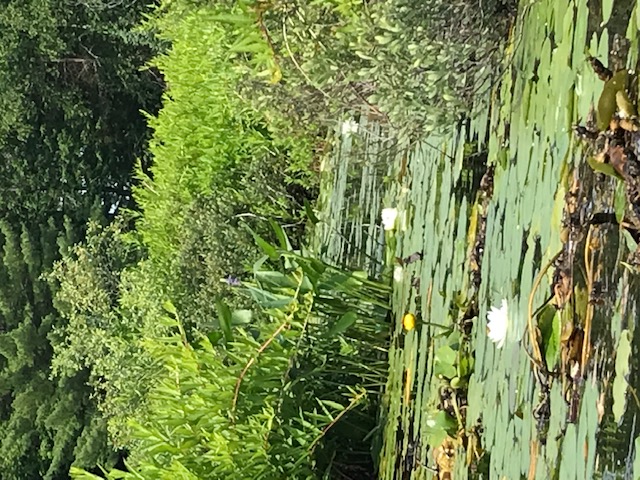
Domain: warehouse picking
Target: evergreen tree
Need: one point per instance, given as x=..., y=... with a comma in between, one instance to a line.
x=71, y=130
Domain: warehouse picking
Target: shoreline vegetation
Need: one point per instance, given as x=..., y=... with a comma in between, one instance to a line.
x=163, y=315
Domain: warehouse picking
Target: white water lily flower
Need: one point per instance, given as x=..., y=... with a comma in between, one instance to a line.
x=389, y=216
x=497, y=322
x=398, y=273
x=349, y=127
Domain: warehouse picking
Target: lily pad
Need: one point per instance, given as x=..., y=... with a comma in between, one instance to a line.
x=620, y=201
x=445, y=360
x=620, y=383
x=438, y=426
x=607, y=103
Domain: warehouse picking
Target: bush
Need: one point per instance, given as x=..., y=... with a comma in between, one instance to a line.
x=417, y=63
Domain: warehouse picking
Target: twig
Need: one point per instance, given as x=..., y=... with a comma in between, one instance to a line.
x=262, y=348
x=353, y=403
x=295, y=62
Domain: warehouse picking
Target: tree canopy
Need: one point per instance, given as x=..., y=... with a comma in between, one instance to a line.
x=71, y=131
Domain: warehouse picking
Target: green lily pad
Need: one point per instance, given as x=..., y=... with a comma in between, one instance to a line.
x=607, y=104
x=622, y=370
x=620, y=201
x=445, y=360
x=438, y=426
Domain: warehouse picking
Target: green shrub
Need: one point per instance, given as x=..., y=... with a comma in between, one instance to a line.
x=420, y=64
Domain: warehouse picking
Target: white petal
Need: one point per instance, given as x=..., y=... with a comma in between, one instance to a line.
x=389, y=216
x=398, y=273
x=349, y=127
x=497, y=324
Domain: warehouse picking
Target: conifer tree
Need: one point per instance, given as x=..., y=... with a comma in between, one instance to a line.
x=71, y=130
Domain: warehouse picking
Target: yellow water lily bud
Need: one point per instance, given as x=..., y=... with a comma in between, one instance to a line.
x=409, y=321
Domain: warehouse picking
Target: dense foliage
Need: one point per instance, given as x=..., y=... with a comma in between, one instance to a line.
x=419, y=65
x=70, y=133
x=156, y=300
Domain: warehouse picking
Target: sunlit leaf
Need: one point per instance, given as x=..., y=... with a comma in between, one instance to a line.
x=620, y=383
x=241, y=317
x=607, y=8
x=170, y=308
x=437, y=427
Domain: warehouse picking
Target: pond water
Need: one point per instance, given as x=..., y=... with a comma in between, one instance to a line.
x=577, y=424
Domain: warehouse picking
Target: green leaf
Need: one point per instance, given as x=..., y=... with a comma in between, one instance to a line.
x=332, y=404
x=445, y=360
x=170, y=308
x=551, y=337
x=266, y=247
x=607, y=103
x=241, y=317
x=620, y=383
x=215, y=337
x=346, y=321
x=438, y=425
x=607, y=8
x=282, y=237
x=269, y=300
x=225, y=319
x=628, y=239
x=270, y=278
x=308, y=210
x=602, y=167
x=620, y=201
x=234, y=19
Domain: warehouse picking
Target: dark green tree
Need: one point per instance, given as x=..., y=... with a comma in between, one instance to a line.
x=71, y=130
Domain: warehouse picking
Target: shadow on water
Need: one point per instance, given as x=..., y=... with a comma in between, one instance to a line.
x=580, y=419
